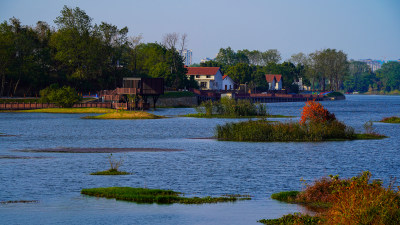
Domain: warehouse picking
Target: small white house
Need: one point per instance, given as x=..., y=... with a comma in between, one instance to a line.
x=274, y=81
x=302, y=87
x=227, y=83
x=208, y=78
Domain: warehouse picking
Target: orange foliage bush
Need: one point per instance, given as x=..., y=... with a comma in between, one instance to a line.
x=315, y=112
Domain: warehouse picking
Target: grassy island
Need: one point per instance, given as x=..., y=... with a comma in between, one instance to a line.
x=110, y=172
x=125, y=115
x=316, y=124
x=356, y=200
x=393, y=119
x=144, y=195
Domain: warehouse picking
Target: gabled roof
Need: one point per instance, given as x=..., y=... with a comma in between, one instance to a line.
x=225, y=76
x=202, y=70
x=270, y=77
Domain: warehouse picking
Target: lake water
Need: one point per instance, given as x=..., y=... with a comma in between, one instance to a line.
x=205, y=167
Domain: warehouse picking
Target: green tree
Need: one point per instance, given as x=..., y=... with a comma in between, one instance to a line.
x=389, y=74
x=65, y=97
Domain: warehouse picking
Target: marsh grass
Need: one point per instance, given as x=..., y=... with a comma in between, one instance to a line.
x=125, y=115
x=295, y=218
x=144, y=195
x=393, y=119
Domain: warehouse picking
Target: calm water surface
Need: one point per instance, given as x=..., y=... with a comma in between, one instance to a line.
x=205, y=167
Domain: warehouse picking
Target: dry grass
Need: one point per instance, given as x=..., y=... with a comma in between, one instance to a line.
x=125, y=115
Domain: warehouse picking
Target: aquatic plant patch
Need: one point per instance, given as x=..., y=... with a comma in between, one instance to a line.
x=144, y=195
x=393, y=119
x=296, y=218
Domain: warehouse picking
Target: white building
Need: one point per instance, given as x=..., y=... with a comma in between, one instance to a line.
x=208, y=78
x=187, y=56
x=274, y=81
x=205, y=60
x=227, y=83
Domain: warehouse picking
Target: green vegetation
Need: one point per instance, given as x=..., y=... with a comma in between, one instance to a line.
x=114, y=165
x=229, y=108
x=356, y=200
x=285, y=196
x=69, y=110
x=265, y=131
x=65, y=97
x=110, y=172
x=20, y=100
x=393, y=119
x=316, y=124
x=143, y=195
x=296, y=218
x=125, y=115
x=177, y=94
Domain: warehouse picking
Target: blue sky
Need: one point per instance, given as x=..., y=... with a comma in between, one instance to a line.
x=361, y=28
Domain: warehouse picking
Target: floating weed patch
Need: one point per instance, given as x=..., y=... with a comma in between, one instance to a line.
x=393, y=119
x=125, y=115
x=143, y=195
x=110, y=172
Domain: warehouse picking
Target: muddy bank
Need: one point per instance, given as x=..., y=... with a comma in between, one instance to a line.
x=22, y=157
x=101, y=150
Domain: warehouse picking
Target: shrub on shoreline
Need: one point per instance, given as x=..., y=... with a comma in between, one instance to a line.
x=356, y=200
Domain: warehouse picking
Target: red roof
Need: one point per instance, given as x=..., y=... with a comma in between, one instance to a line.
x=270, y=77
x=202, y=70
x=223, y=77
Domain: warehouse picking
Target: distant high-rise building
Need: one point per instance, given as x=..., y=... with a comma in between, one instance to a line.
x=373, y=64
x=187, y=56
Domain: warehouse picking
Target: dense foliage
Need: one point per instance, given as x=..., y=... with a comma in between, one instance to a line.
x=80, y=54
x=65, y=96
x=356, y=200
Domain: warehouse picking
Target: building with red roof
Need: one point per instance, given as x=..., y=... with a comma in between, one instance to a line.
x=274, y=81
x=227, y=83
x=208, y=78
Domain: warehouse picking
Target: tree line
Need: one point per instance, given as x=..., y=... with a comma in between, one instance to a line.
x=323, y=70
x=91, y=57
x=80, y=54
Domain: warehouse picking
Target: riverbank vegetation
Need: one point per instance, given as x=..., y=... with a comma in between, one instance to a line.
x=356, y=200
x=125, y=115
x=316, y=124
x=230, y=108
x=144, y=195
x=392, y=119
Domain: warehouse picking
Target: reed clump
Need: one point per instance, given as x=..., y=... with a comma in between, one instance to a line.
x=144, y=195
x=356, y=200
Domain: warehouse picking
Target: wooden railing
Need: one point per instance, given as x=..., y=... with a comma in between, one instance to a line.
x=127, y=91
x=21, y=106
